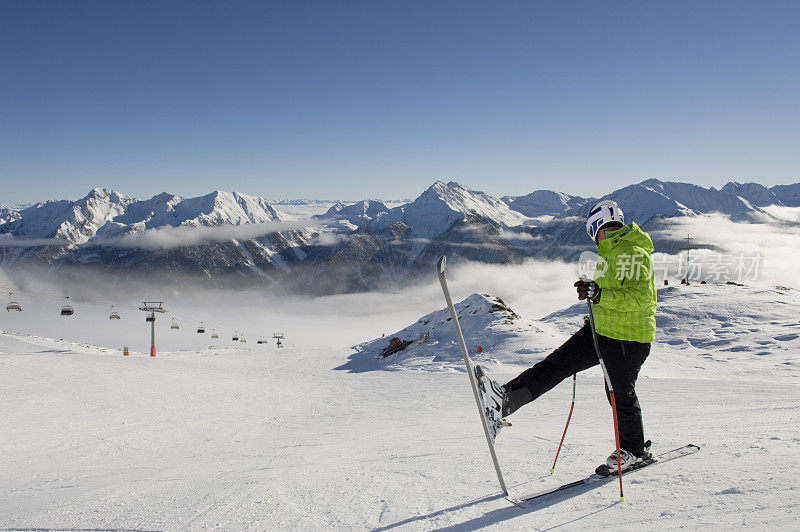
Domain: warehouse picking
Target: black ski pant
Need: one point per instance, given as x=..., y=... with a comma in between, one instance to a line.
x=622, y=359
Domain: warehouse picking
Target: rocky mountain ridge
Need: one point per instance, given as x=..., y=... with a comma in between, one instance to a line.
x=351, y=247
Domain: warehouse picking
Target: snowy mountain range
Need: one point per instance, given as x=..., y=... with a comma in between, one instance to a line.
x=105, y=212
x=96, y=231
x=357, y=247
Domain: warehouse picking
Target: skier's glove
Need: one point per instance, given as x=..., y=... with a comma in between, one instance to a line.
x=588, y=290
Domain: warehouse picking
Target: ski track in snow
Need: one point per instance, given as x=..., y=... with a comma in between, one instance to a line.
x=282, y=440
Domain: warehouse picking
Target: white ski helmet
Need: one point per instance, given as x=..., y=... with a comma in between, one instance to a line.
x=604, y=213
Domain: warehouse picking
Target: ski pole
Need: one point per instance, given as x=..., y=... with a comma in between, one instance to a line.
x=572, y=406
x=610, y=394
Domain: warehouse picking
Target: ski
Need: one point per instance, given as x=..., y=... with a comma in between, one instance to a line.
x=595, y=480
x=489, y=430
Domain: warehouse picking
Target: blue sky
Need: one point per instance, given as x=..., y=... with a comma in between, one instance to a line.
x=379, y=99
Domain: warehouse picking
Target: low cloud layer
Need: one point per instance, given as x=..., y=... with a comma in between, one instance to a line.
x=9, y=241
x=172, y=237
x=772, y=249
x=532, y=289
x=781, y=213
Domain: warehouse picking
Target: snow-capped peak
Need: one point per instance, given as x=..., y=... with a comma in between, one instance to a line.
x=700, y=199
x=366, y=208
x=543, y=203
x=443, y=204
x=8, y=214
x=221, y=207
x=643, y=201
x=106, y=194
x=73, y=221
x=761, y=196
x=358, y=214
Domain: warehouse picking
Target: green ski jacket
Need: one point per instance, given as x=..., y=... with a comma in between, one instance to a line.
x=627, y=306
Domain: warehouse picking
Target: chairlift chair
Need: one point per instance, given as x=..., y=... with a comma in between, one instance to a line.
x=201, y=329
x=214, y=334
x=114, y=314
x=235, y=337
x=242, y=340
x=13, y=305
x=150, y=317
x=174, y=325
x=67, y=309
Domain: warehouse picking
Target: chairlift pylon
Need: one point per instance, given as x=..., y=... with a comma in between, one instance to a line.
x=151, y=307
x=278, y=337
x=13, y=305
x=67, y=309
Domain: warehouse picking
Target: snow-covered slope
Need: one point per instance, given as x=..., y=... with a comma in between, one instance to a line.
x=485, y=320
x=249, y=437
x=715, y=331
x=704, y=331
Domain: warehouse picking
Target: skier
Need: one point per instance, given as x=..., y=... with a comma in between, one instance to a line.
x=623, y=294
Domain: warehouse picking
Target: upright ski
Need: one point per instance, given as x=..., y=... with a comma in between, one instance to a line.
x=489, y=431
x=595, y=480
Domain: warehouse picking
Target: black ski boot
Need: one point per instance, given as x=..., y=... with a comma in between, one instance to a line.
x=626, y=460
x=493, y=398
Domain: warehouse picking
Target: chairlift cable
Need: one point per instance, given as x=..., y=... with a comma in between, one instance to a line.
x=55, y=297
